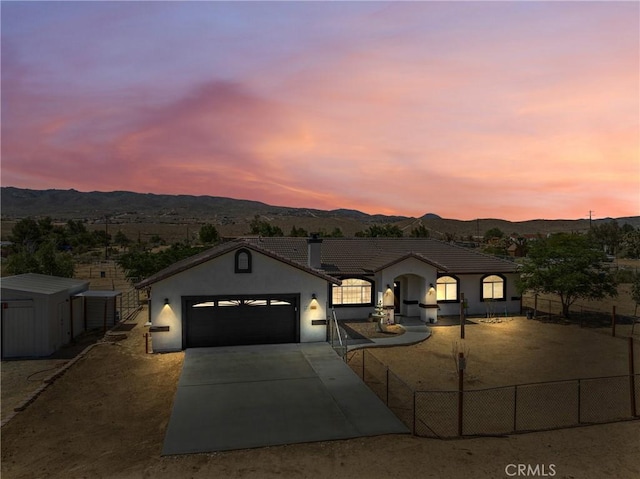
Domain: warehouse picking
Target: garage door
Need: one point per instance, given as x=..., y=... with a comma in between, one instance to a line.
x=241, y=320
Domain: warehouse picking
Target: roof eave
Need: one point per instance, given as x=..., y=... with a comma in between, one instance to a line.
x=173, y=270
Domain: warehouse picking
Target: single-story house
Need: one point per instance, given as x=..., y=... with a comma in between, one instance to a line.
x=283, y=289
x=42, y=313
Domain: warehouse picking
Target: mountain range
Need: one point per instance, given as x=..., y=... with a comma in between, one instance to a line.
x=232, y=216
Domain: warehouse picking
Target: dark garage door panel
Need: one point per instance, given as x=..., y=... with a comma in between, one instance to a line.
x=242, y=325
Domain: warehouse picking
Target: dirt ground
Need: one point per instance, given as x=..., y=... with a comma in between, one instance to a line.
x=106, y=417
x=514, y=351
x=368, y=329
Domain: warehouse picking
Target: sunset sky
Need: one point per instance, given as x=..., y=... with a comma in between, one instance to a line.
x=514, y=110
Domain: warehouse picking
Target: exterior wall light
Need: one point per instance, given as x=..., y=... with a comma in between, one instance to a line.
x=166, y=301
x=314, y=302
x=313, y=296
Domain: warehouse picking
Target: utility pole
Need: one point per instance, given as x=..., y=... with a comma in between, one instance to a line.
x=590, y=213
x=106, y=237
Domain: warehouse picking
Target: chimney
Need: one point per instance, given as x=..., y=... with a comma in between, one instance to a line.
x=314, y=244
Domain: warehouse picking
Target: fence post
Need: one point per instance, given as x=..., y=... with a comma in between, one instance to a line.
x=461, y=366
x=414, y=414
x=515, y=408
x=613, y=321
x=535, y=306
x=579, y=407
x=462, y=316
x=387, y=402
x=632, y=379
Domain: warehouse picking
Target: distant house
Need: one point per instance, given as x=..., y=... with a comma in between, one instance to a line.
x=281, y=290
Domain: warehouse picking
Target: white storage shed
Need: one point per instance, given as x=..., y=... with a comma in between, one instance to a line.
x=38, y=314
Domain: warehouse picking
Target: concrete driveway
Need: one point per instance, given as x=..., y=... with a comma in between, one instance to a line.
x=253, y=396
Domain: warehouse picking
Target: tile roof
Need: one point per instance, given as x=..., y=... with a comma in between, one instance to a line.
x=224, y=248
x=352, y=256
x=360, y=256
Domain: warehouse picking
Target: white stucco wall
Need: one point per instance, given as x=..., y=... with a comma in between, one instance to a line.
x=471, y=286
x=218, y=277
x=414, y=276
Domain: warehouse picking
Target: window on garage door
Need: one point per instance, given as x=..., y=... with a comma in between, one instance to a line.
x=227, y=321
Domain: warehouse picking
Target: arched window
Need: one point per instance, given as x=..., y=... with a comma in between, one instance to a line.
x=243, y=261
x=352, y=292
x=493, y=287
x=447, y=288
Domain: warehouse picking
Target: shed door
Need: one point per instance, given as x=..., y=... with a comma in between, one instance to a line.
x=19, y=330
x=230, y=321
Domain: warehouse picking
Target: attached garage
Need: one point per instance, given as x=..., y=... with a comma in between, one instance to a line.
x=241, y=320
x=237, y=293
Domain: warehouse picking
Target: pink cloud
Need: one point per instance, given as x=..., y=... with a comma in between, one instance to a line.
x=405, y=110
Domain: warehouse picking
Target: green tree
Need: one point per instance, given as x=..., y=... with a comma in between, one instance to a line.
x=121, y=239
x=493, y=233
x=22, y=262
x=264, y=228
x=156, y=240
x=635, y=291
x=569, y=266
x=46, y=260
x=26, y=234
x=631, y=244
x=381, y=231
x=138, y=264
x=607, y=235
x=208, y=234
x=336, y=233
x=100, y=238
x=298, y=232
x=420, y=232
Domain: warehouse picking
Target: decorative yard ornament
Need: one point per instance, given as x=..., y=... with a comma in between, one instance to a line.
x=379, y=317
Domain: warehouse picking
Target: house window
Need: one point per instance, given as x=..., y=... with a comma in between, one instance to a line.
x=447, y=288
x=243, y=261
x=352, y=292
x=493, y=287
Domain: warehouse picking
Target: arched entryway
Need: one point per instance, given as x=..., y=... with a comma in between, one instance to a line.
x=413, y=296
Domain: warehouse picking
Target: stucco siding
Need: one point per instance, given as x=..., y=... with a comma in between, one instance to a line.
x=471, y=286
x=217, y=277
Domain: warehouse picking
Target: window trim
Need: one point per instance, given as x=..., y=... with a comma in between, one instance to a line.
x=445, y=301
x=354, y=305
x=237, y=267
x=504, y=288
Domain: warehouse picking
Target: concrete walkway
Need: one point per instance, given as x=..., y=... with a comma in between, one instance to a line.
x=254, y=396
x=416, y=331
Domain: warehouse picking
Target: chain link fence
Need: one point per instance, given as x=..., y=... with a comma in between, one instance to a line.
x=551, y=310
x=501, y=410
x=130, y=304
